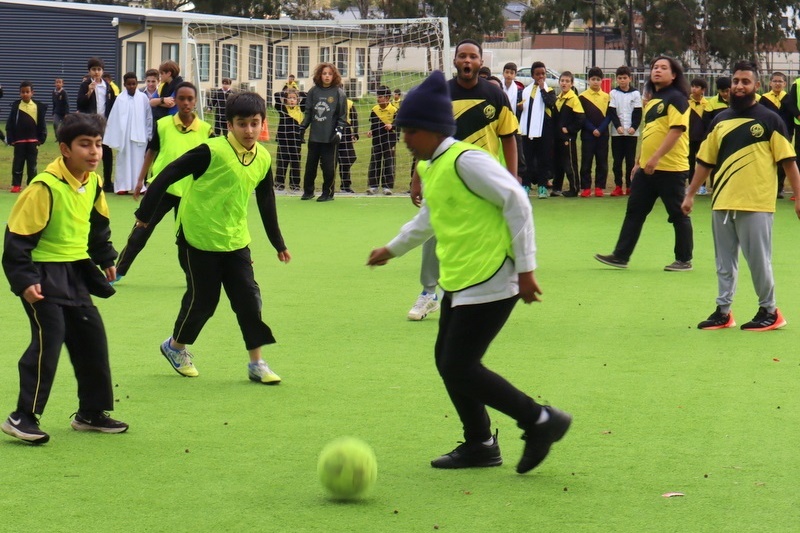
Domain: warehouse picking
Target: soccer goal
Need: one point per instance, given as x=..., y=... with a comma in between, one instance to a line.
x=371, y=56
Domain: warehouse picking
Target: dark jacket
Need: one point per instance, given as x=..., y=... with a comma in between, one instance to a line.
x=87, y=103
x=20, y=126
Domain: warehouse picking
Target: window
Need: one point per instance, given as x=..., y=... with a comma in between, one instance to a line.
x=171, y=51
x=342, y=59
x=303, y=61
x=204, y=61
x=281, y=61
x=361, y=55
x=255, y=61
x=325, y=54
x=136, y=59
x=230, y=61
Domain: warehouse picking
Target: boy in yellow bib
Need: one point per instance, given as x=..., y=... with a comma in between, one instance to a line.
x=213, y=236
x=57, y=234
x=483, y=224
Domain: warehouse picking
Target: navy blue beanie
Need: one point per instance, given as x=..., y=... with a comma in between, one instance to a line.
x=428, y=107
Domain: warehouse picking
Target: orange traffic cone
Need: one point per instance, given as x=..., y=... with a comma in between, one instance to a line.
x=264, y=135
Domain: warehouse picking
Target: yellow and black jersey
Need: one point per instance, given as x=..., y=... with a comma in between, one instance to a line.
x=697, y=128
x=667, y=109
x=569, y=115
x=777, y=103
x=483, y=115
x=595, y=108
x=744, y=149
x=379, y=119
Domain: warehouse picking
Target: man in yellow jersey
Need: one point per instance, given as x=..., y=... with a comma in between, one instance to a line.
x=484, y=118
x=485, y=242
x=744, y=146
x=58, y=234
x=662, y=168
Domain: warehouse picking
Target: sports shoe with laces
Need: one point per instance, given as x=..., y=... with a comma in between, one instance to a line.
x=679, y=266
x=617, y=191
x=543, y=192
x=702, y=191
x=15, y=189
x=717, y=320
x=372, y=191
x=611, y=260
x=261, y=373
x=598, y=192
x=540, y=437
x=427, y=302
x=181, y=360
x=586, y=193
x=387, y=191
x=116, y=280
x=97, y=421
x=24, y=426
x=765, y=321
x=471, y=455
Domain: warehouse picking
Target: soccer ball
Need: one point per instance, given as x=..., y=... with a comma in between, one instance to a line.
x=347, y=467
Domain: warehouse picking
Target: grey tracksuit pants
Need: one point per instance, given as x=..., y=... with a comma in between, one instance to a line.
x=752, y=233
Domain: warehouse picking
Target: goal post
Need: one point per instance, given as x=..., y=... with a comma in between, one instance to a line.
x=371, y=54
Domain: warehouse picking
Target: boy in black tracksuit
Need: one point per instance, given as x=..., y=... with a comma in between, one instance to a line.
x=384, y=138
x=347, y=148
x=568, y=120
x=26, y=129
x=290, y=105
x=57, y=234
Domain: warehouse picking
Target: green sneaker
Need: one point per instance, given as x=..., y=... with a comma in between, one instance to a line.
x=262, y=373
x=181, y=360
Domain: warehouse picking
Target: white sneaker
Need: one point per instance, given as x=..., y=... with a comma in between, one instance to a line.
x=387, y=191
x=261, y=373
x=702, y=191
x=426, y=303
x=372, y=191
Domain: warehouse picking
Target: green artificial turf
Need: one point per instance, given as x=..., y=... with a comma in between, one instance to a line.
x=658, y=405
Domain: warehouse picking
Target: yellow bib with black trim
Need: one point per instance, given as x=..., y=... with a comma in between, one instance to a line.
x=472, y=236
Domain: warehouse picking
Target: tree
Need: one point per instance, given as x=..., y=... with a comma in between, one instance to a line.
x=469, y=19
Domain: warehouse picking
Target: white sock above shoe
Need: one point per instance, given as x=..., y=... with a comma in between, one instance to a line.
x=544, y=416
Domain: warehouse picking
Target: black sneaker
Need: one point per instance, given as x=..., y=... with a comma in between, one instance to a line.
x=471, y=455
x=717, y=320
x=307, y=197
x=765, y=321
x=98, y=421
x=325, y=198
x=679, y=266
x=540, y=437
x=24, y=426
x=347, y=190
x=569, y=194
x=611, y=260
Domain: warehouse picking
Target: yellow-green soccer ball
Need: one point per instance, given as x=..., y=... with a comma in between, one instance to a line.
x=347, y=467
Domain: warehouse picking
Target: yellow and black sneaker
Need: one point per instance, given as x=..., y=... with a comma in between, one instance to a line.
x=262, y=373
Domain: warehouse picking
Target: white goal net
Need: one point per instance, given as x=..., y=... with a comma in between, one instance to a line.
x=372, y=56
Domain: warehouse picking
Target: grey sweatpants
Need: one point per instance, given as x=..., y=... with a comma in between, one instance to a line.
x=752, y=233
x=429, y=269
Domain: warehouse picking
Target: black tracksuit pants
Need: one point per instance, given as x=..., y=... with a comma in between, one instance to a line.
x=206, y=274
x=465, y=333
x=81, y=329
x=645, y=190
x=140, y=235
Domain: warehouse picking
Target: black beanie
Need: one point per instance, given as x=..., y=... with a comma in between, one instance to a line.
x=428, y=107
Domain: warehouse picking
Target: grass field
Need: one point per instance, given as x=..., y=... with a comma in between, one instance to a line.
x=659, y=406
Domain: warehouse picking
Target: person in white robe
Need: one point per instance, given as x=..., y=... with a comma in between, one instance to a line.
x=129, y=127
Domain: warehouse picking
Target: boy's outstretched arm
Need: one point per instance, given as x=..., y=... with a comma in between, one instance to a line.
x=265, y=199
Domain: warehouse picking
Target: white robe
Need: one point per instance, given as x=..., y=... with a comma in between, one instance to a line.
x=129, y=127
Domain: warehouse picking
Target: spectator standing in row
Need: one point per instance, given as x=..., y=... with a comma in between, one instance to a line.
x=216, y=102
x=384, y=138
x=625, y=111
x=697, y=125
x=26, y=129
x=60, y=105
x=95, y=96
x=347, y=148
x=536, y=127
x=569, y=122
x=594, y=137
x=775, y=100
x=290, y=107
